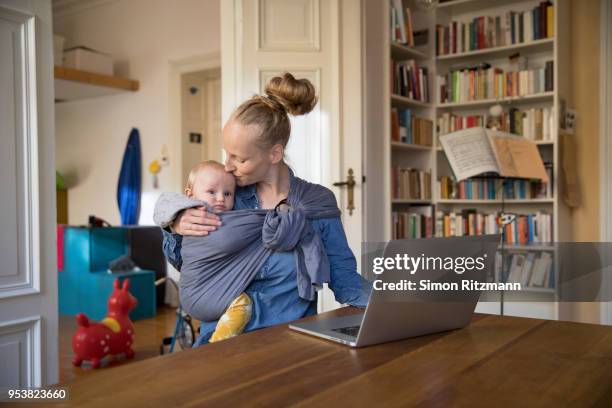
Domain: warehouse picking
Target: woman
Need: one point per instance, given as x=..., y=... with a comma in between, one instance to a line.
x=255, y=138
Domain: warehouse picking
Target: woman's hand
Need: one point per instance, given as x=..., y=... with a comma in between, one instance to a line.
x=195, y=221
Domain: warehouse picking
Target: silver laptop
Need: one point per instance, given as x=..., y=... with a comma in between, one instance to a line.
x=385, y=320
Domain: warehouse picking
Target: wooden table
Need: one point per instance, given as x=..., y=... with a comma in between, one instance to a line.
x=495, y=361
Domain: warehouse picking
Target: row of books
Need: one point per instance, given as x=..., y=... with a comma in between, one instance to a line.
x=496, y=31
x=410, y=184
x=535, y=124
x=407, y=128
x=531, y=269
x=451, y=122
x=524, y=228
x=491, y=189
x=411, y=224
x=487, y=82
x=409, y=79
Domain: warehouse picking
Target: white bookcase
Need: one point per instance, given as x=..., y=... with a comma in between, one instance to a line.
x=381, y=153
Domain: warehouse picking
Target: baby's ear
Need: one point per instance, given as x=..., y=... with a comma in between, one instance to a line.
x=188, y=192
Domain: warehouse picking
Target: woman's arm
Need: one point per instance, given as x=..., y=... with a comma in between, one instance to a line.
x=348, y=286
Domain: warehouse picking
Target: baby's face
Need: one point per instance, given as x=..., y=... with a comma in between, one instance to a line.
x=216, y=188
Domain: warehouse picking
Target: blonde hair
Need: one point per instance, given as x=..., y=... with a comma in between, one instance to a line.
x=195, y=170
x=284, y=95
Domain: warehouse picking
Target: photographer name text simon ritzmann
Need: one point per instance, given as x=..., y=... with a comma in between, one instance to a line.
x=412, y=264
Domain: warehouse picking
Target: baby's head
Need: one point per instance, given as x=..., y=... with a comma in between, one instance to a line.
x=209, y=182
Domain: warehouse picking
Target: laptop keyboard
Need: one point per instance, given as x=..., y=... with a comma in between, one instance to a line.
x=349, y=331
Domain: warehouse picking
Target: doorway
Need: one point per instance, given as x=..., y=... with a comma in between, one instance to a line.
x=200, y=118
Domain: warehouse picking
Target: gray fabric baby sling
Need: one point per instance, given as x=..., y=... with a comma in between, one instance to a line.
x=218, y=267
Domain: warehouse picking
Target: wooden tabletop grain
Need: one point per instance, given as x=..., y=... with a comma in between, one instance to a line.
x=495, y=361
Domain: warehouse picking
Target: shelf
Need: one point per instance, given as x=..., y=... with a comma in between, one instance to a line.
x=528, y=247
x=409, y=201
x=404, y=100
x=409, y=146
x=72, y=84
x=545, y=44
x=496, y=201
x=538, y=290
x=403, y=51
x=544, y=96
x=536, y=142
x=463, y=6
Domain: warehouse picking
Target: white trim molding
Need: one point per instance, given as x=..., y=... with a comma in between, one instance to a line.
x=605, y=140
x=27, y=158
x=30, y=358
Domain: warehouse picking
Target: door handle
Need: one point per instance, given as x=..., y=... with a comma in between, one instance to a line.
x=350, y=184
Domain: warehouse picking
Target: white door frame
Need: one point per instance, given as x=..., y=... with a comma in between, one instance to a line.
x=605, y=151
x=175, y=70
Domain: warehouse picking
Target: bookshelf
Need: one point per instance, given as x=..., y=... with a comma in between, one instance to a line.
x=382, y=55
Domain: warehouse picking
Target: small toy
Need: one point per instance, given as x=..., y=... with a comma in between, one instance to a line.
x=113, y=335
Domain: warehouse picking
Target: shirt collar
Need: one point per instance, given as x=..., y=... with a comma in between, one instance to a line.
x=250, y=192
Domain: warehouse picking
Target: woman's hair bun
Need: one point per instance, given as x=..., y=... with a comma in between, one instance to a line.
x=297, y=96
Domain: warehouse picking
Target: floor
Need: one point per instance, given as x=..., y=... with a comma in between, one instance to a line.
x=149, y=335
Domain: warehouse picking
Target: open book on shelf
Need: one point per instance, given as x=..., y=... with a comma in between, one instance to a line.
x=476, y=151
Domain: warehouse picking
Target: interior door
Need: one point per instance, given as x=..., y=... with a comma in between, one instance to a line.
x=28, y=273
x=314, y=39
x=201, y=118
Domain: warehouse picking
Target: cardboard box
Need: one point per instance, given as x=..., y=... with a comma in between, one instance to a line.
x=86, y=59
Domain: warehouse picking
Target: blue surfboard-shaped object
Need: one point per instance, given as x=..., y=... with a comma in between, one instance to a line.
x=129, y=186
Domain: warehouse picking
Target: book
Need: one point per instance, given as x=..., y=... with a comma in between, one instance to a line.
x=410, y=184
x=420, y=37
x=416, y=222
x=475, y=151
x=516, y=268
x=526, y=273
x=541, y=272
x=399, y=22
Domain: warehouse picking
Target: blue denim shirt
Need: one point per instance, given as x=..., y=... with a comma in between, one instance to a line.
x=274, y=289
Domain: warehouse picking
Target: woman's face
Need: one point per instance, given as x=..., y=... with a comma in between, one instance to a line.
x=245, y=160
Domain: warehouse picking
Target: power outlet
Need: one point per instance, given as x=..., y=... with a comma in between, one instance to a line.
x=570, y=121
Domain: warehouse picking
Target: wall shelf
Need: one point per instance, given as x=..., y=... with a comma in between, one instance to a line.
x=409, y=146
x=400, y=51
x=545, y=44
x=72, y=84
x=496, y=201
x=405, y=101
x=539, y=97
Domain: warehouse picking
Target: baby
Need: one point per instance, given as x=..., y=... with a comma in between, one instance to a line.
x=209, y=182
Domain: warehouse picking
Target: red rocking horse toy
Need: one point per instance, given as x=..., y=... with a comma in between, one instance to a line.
x=113, y=335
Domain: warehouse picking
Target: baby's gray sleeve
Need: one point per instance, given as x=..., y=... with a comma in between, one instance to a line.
x=168, y=205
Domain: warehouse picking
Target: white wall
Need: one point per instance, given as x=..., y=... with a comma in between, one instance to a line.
x=144, y=37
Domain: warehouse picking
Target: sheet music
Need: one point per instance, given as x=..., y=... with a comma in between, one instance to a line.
x=517, y=156
x=469, y=152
